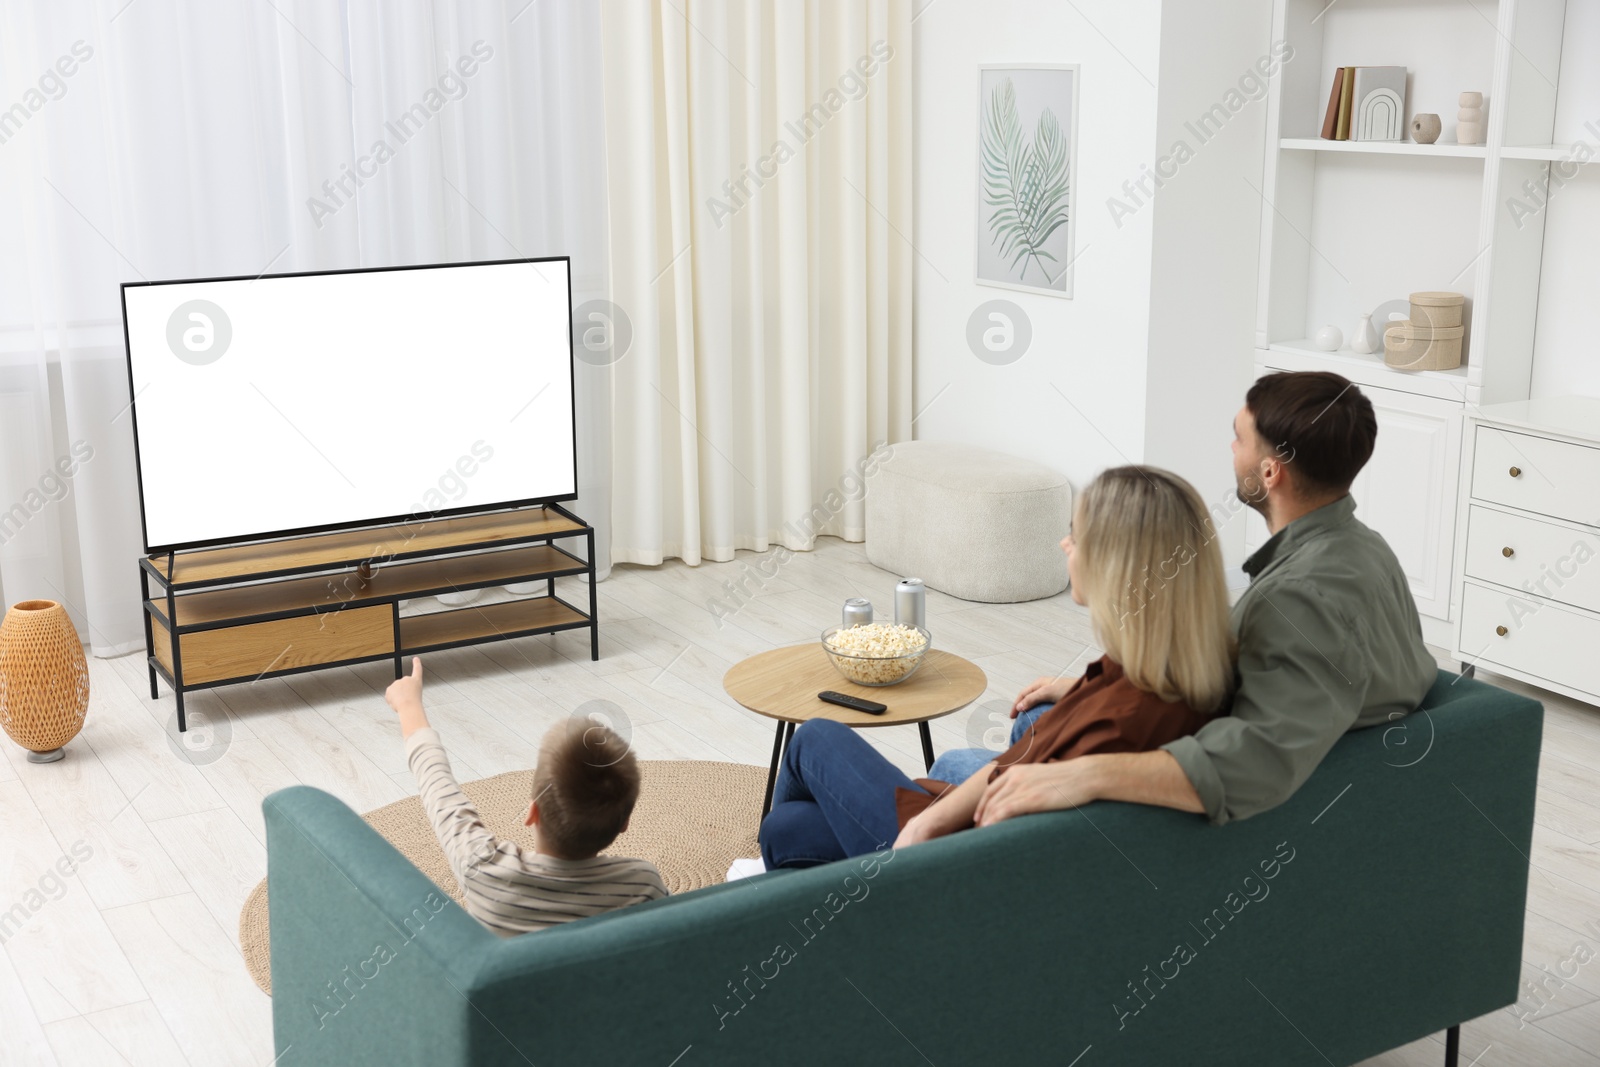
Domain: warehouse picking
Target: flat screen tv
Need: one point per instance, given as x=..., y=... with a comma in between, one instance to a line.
x=299, y=403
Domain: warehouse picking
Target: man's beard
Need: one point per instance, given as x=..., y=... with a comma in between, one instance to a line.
x=1252, y=493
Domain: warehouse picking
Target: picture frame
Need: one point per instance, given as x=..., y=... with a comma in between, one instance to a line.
x=1025, y=206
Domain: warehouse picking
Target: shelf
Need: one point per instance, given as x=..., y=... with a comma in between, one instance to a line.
x=321, y=551
x=335, y=592
x=1550, y=153
x=470, y=625
x=1366, y=370
x=1384, y=148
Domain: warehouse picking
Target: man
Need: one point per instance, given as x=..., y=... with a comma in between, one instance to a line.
x=1329, y=638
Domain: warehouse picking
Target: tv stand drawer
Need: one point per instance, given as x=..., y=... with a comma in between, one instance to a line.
x=241, y=653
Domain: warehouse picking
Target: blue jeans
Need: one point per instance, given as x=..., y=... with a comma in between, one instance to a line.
x=834, y=798
x=959, y=764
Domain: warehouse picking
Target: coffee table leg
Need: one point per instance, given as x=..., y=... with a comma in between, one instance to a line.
x=772, y=773
x=927, y=744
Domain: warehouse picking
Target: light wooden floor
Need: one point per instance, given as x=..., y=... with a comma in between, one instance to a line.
x=134, y=958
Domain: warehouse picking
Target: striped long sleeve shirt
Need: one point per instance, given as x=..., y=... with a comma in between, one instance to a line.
x=509, y=889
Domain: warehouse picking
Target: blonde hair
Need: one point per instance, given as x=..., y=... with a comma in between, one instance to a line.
x=1150, y=571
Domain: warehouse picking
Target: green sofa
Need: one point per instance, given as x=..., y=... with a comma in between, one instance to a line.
x=1383, y=902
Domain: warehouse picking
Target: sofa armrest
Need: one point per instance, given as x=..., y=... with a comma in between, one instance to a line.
x=368, y=955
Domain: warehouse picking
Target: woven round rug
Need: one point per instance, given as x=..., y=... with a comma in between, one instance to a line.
x=693, y=819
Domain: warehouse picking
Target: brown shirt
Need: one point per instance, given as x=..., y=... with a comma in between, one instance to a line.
x=1102, y=712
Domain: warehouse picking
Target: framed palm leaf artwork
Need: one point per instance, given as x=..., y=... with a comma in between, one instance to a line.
x=1027, y=169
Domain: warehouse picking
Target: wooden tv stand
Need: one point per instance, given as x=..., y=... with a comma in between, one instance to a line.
x=238, y=613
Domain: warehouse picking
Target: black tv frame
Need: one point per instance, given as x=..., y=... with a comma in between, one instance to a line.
x=355, y=524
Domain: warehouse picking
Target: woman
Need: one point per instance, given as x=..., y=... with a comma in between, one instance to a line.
x=1140, y=557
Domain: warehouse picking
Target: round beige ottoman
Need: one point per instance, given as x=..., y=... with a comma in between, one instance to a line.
x=976, y=524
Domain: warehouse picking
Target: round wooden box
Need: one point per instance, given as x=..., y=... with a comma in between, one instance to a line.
x=1437, y=309
x=1414, y=346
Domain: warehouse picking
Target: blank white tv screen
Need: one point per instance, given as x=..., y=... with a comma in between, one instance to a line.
x=298, y=402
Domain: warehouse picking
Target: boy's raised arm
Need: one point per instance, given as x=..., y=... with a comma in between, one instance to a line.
x=466, y=841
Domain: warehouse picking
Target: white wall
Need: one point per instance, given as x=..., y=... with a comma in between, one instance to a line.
x=1091, y=347
x=1205, y=254
x=1564, y=363
x=1149, y=375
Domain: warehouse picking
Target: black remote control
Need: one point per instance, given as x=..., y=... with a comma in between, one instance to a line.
x=853, y=703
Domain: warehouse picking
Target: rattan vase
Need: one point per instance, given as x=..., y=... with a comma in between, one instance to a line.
x=44, y=679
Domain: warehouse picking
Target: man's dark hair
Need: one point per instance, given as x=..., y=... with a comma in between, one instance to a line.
x=1316, y=421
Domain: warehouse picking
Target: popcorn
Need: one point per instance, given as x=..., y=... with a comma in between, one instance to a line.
x=887, y=652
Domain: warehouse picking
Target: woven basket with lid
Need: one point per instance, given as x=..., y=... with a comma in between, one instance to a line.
x=44, y=678
x=1437, y=309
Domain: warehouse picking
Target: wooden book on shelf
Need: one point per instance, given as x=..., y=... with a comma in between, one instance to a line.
x=1347, y=88
x=1330, y=121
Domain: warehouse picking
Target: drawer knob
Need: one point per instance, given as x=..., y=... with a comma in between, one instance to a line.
x=1516, y=472
x=1501, y=630
x=1507, y=552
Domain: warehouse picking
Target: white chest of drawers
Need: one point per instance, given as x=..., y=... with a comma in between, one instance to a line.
x=1528, y=544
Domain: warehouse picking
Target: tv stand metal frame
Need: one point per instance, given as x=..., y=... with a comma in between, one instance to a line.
x=267, y=588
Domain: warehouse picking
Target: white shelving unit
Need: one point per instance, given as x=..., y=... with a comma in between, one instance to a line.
x=1349, y=225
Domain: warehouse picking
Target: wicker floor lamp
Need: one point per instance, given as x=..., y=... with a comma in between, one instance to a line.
x=44, y=679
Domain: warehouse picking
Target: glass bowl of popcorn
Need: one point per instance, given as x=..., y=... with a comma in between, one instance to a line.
x=876, y=653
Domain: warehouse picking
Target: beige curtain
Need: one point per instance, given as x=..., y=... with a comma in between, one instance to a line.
x=759, y=192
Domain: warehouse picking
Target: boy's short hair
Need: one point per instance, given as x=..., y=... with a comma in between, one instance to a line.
x=1323, y=425
x=586, y=783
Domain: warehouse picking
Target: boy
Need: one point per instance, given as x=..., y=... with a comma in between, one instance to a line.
x=584, y=789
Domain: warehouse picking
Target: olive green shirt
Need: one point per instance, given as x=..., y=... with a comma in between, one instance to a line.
x=1329, y=641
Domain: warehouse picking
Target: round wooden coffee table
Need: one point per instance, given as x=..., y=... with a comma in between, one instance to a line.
x=783, y=684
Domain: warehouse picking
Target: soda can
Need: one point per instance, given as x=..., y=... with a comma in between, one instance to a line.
x=911, y=603
x=857, y=612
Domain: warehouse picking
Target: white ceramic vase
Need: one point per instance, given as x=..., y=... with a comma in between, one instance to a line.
x=1365, y=339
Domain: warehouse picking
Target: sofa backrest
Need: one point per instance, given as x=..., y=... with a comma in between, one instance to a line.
x=1382, y=902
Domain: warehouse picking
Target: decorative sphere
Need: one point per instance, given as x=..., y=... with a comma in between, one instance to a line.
x=1425, y=128
x=1328, y=339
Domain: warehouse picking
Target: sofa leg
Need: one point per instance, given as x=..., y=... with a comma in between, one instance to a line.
x=1452, y=1046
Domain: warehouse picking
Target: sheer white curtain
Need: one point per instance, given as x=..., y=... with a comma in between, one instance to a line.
x=759, y=181
x=160, y=139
